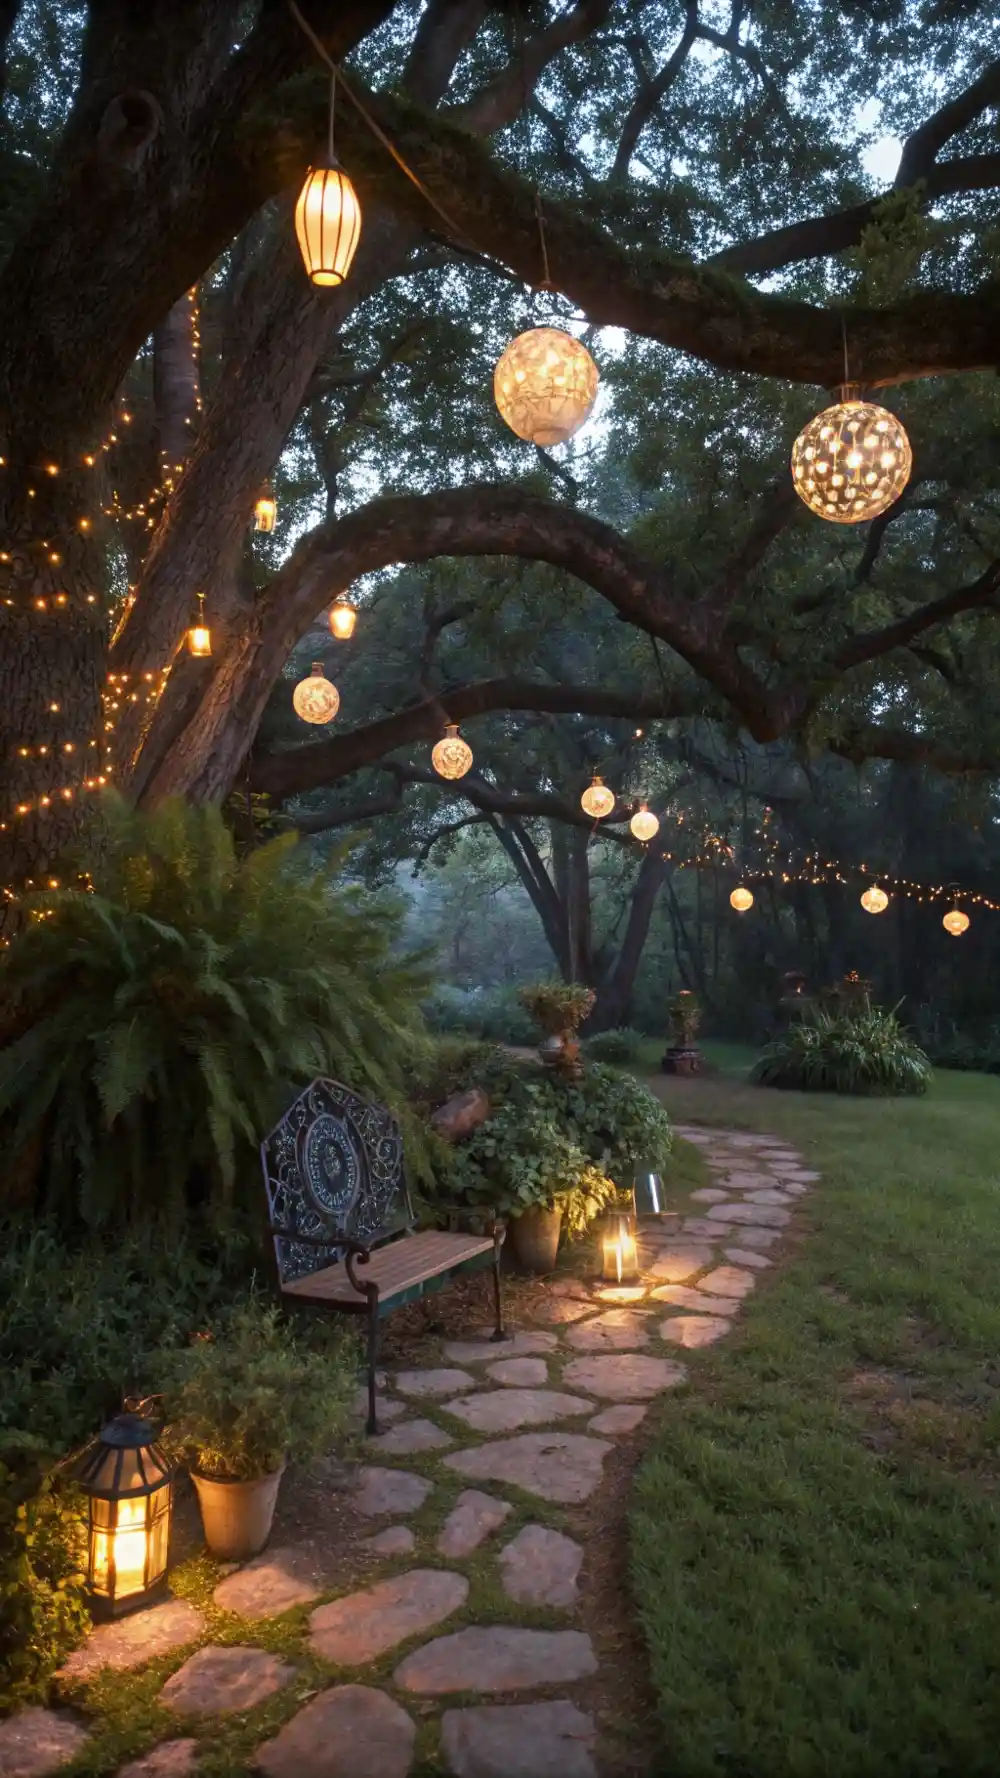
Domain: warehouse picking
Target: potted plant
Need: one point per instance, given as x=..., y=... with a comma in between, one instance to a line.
x=240, y=1402
x=682, y=1055
x=559, y=1008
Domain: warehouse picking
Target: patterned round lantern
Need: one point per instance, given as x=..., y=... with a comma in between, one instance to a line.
x=852, y=461
x=741, y=899
x=597, y=800
x=874, y=900
x=314, y=698
x=644, y=824
x=956, y=922
x=343, y=618
x=328, y=224
x=545, y=385
x=451, y=757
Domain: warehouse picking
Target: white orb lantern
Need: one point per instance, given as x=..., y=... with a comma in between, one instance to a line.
x=874, y=900
x=597, y=800
x=545, y=385
x=644, y=824
x=852, y=461
x=955, y=922
x=314, y=698
x=741, y=899
x=451, y=757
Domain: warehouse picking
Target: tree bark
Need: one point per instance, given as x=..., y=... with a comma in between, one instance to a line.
x=614, y=996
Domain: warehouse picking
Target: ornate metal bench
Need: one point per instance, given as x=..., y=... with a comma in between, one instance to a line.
x=342, y=1219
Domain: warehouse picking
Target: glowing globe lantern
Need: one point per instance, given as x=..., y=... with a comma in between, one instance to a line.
x=545, y=385
x=741, y=899
x=874, y=900
x=265, y=509
x=129, y=1484
x=956, y=922
x=644, y=824
x=597, y=800
x=314, y=698
x=343, y=618
x=328, y=224
x=451, y=757
x=852, y=461
x=619, y=1249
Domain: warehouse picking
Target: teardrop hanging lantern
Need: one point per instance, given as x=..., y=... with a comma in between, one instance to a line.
x=343, y=618
x=265, y=509
x=741, y=899
x=451, y=757
x=545, y=385
x=955, y=922
x=852, y=461
x=199, y=636
x=597, y=800
x=328, y=216
x=314, y=698
x=874, y=900
x=644, y=824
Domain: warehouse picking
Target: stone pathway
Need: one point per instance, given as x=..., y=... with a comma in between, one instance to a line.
x=536, y=1417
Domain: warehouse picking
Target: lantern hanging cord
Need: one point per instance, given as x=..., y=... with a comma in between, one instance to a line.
x=336, y=74
x=546, y=283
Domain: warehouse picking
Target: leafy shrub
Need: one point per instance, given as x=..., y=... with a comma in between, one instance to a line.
x=618, y=1046
x=489, y=1014
x=244, y=1396
x=685, y=1014
x=557, y=1007
x=972, y=1049
x=155, y=1028
x=43, y=1613
x=864, y=1050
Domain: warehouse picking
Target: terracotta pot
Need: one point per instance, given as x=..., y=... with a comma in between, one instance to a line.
x=535, y=1238
x=237, y=1516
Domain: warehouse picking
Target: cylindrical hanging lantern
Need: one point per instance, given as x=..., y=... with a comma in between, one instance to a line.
x=644, y=824
x=956, y=922
x=314, y=698
x=874, y=900
x=545, y=385
x=343, y=618
x=741, y=899
x=199, y=636
x=852, y=461
x=648, y=1195
x=619, y=1251
x=597, y=800
x=451, y=757
x=265, y=509
x=129, y=1484
x=328, y=224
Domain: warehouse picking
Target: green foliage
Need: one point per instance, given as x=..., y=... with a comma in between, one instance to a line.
x=862, y=1050
x=247, y=1394
x=42, y=1566
x=557, y=1006
x=622, y=1045
x=685, y=1013
x=159, y=1024
x=493, y=1014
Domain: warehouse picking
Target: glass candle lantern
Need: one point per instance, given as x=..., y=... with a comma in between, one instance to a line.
x=648, y=1195
x=130, y=1489
x=619, y=1252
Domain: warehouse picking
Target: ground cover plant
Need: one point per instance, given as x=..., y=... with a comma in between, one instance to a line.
x=861, y=1049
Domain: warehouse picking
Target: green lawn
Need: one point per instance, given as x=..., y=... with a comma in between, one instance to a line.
x=815, y=1527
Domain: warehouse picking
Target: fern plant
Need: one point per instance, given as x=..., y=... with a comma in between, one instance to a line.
x=155, y=1028
x=862, y=1050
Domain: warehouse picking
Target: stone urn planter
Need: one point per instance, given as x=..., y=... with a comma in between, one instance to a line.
x=534, y=1236
x=237, y=1516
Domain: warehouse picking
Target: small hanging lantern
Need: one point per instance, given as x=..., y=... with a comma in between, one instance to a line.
x=619, y=1251
x=648, y=1195
x=597, y=800
x=741, y=899
x=852, y=461
x=545, y=385
x=199, y=636
x=343, y=618
x=328, y=217
x=956, y=922
x=129, y=1484
x=451, y=757
x=874, y=900
x=314, y=698
x=644, y=823
x=265, y=509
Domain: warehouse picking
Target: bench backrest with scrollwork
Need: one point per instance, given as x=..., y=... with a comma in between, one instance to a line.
x=332, y=1166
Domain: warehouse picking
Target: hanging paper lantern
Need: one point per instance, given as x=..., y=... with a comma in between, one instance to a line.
x=545, y=385
x=956, y=922
x=597, y=800
x=265, y=509
x=874, y=900
x=741, y=899
x=644, y=823
x=343, y=618
x=451, y=757
x=328, y=224
x=852, y=461
x=314, y=698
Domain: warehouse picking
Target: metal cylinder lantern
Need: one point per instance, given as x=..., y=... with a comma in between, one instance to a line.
x=648, y=1195
x=130, y=1488
x=343, y=618
x=265, y=510
x=619, y=1250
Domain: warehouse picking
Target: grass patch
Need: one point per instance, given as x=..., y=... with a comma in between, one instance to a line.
x=815, y=1528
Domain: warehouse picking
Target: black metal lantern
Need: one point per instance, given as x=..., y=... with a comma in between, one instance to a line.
x=648, y=1195
x=130, y=1485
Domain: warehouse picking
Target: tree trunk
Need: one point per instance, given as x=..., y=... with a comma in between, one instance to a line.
x=177, y=385
x=614, y=997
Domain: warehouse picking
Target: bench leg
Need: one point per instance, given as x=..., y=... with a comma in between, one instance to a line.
x=373, y=1425
x=498, y=1238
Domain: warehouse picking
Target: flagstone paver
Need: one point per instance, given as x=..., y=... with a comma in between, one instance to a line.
x=692, y=1331
x=216, y=1681
x=134, y=1640
x=506, y=1410
x=744, y=1256
x=540, y=1567
x=561, y=1310
x=497, y=1658
x=473, y=1518
x=390, y=1491
x=351, y=1731
x=767, y=1216
x=709, y=1195
x=624, y=1376
x=395, y=1540
x=621, y=1293
x=412, y=1436
x=625, y=1417
x=550, y=1740
x=617, y=1330
x=561, y=1466
x=270, y=1584
x=36, y=1741
x=519, y=1373
x=676, y=1264
x=364, y=1625
x=732, y=1281
x=523, y=1344
x=439, y=1381
x=686, y=1296
x=172, y=1759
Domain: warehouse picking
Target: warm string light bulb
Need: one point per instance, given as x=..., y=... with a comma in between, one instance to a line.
x=874, y=900
x=644, y=824
x=597, y=800
x=314, y=698
x=741, y=899
x=343, y=618
x=451, y=757
x=545, y=385
x=852, y=461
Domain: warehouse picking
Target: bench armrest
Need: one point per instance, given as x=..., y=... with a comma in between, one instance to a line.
x=336, y=1239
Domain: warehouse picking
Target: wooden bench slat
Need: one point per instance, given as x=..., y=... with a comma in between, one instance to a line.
x=406, y=1262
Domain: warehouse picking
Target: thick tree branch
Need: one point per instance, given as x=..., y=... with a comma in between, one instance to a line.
x=921, y=149
x=874, y=643
x=504, y=97
x=651, y=93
